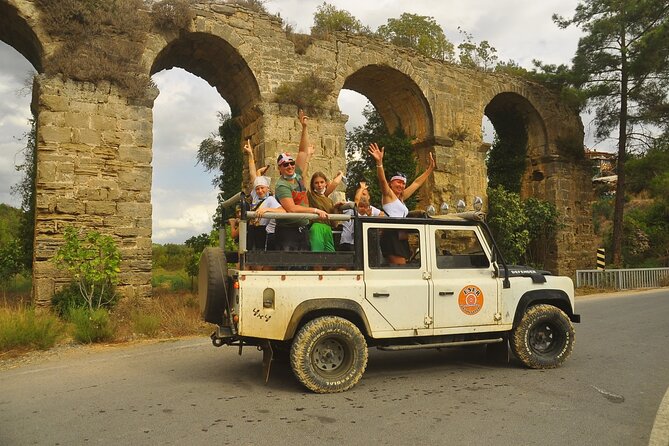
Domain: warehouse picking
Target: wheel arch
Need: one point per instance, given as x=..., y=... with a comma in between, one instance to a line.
x=557, y=298
x=313, y=308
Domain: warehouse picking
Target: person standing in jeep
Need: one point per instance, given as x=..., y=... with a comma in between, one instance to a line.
x=394, y=244
x=293, y=234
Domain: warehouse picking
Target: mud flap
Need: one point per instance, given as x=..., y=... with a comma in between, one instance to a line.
x=498, y=352
x=267, y=356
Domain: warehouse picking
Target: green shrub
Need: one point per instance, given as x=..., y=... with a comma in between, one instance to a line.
x=94, y=261
x=91, y=325
x=307, y=93
x=70, y=297
x=145, y=324
x=26, y=329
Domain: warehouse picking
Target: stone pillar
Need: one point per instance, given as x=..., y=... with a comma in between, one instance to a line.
x=93, y=172
x=567, y=185
x=280, y=131
x=461, y=173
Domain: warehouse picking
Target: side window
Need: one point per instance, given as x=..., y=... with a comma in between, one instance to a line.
x=459, y=248
x=393, y=248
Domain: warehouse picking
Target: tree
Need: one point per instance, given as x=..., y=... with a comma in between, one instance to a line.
x=25, y=188
x=10, y=262
x=622, y=63
x=94, y=261
x=479, y=56
x=328, y=19
x=196, y=244
x=421, y=33
x=223, y=153
x=399, y=155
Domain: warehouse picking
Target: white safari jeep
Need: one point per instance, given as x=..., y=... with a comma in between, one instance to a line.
x=324, y=310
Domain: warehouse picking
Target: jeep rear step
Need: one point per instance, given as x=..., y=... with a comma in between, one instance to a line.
x=439, y=344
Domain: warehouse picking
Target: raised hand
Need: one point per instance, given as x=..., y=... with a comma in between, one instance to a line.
x=247, y=147
x=302, y=118
x=376, y=153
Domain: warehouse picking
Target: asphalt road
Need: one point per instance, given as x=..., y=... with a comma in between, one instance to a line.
x=188, y=392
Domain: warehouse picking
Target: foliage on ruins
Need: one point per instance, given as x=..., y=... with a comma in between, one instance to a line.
x=301, y=41
x=476, y=55
x=329, y=19
x=103, y=40
x=308, y=93
x=421, y=33
x=170, y=15
x=87, y=53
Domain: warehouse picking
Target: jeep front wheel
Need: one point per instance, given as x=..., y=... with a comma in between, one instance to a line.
x=544, y=338
x=329, y=355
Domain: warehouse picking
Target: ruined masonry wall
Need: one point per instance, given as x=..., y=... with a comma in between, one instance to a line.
x=93, y=172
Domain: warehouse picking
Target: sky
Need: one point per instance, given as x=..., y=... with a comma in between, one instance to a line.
x=185, y=111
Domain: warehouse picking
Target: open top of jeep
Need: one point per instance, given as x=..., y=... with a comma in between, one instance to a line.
x=321, y=311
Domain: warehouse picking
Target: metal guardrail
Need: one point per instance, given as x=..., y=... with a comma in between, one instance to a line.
x=622, y=279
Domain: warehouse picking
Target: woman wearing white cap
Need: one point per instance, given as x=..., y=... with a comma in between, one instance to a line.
x=393, y=195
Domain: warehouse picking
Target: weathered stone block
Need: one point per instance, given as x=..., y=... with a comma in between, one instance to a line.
x=100, y=208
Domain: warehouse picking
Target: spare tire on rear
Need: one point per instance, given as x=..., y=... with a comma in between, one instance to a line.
x=212, y=285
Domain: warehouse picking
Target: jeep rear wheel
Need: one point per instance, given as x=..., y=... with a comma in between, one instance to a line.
x=544, y=338
x=329, y=355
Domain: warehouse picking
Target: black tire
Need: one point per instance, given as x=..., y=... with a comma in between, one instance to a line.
x=544, y=338
x=329, y=355
x=211, y=285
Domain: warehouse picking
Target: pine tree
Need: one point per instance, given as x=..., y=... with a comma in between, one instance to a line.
x=622, y=63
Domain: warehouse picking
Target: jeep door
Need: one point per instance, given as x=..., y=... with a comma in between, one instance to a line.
x=465, y=290
x=400, y=293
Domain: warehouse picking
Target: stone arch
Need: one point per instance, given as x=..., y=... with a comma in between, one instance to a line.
x=515, y=117
x=17, y=33
x=397, y=97
x=217, y=62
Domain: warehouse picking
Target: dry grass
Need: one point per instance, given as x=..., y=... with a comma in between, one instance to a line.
x=308, y=93
x=104, y=40
x=587, y=290
x=166, y=315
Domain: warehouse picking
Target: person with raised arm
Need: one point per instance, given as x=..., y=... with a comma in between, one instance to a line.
x=260, y=235
x=394, y=244
x=293, y=234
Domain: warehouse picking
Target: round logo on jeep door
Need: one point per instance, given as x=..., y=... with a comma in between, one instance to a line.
x=470, y=299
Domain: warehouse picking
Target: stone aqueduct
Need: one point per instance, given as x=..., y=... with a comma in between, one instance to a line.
x=95, y=147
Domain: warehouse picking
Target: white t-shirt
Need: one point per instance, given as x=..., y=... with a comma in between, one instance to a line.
x=396, y=209
x=347, y=226
x=269, y=223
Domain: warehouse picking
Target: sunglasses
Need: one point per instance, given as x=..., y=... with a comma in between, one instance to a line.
x=289, y=163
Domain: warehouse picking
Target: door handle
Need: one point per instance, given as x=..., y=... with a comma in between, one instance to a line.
x=381, y=294
x=446, y=293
